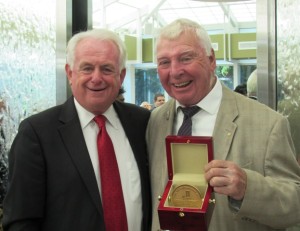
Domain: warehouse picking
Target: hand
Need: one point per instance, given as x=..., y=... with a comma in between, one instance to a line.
x=226, y=178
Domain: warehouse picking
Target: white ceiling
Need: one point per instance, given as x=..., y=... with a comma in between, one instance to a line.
x=145, y=16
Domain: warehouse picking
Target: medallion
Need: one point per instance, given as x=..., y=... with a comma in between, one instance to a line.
x=186, y=196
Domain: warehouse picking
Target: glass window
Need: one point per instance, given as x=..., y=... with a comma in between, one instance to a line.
x=147, y=84
x=245, y=71
x=288, y=69
x=225, y=74
x=27, y=67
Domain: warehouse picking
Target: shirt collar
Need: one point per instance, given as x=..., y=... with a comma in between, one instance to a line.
x=211, y=102
x=85, y=117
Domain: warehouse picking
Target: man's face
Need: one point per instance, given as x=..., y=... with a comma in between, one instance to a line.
x=160, y=100
x=95, y=79
x=184, y=69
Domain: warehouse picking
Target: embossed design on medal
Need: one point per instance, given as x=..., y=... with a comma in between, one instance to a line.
x=186, y=196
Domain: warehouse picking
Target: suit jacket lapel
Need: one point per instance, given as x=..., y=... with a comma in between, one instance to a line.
x=225, y=127
x=164, y=116
x=126, y=118
x=73, y=139
x=168, y=115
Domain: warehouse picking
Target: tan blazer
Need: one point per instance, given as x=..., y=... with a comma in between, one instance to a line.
x=258, y=140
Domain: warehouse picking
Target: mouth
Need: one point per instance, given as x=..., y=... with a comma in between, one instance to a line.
x=92, y=89
x=181, y=85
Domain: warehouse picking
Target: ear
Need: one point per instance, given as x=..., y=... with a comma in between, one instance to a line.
x=122, y=75
x=69, y=73
x=212, y=60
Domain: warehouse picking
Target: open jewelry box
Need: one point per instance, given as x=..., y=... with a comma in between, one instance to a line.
x=187, y=202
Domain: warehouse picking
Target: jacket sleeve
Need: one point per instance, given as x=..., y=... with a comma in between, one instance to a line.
x=277, y=192
x=25, y=198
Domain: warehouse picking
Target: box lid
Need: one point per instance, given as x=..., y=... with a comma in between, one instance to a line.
x=187, y=156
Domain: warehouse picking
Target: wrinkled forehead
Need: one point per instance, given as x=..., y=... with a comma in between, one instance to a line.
x=185, y=35
x=181, y=47
x=183, y=40
x=187, y=39
x=96, y=43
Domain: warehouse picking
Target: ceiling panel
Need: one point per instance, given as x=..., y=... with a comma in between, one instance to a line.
x=128, y=15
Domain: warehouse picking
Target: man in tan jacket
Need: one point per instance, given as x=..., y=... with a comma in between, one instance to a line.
x=254, y=174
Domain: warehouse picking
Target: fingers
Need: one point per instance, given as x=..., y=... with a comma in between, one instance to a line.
x=226, y=178
x=216, y=168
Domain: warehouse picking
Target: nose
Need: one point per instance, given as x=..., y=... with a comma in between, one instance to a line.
x=175, y=69
x=96, y=76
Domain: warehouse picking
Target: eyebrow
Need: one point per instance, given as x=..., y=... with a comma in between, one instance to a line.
x=85, y=64
x=183, y=53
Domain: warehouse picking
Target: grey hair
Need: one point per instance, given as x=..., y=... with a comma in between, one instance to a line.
x=176, y=28
x=99, y=34
x=252, y=84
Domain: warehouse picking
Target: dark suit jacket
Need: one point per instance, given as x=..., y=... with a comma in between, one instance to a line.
x=52, y=182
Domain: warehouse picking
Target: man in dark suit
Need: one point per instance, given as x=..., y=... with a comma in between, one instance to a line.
x=54, y=181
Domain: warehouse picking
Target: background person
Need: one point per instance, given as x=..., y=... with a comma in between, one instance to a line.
x=254, y=174
x=252, y=85
x=120, y=96
x=54, y=181
x=242, y=89
x=146, y=105
x=159, y=99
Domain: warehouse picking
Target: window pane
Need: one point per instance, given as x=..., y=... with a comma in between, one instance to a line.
x=245, y=71
x=147, y=84
x=225, y=74
x=27, y=67
x=288, y=68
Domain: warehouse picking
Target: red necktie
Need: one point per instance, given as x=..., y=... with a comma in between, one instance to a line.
x=112, y=195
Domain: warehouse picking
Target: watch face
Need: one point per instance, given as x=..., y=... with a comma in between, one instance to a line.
x=186, y=196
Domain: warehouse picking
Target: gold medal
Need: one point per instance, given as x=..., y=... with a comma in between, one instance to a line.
x=186, y=196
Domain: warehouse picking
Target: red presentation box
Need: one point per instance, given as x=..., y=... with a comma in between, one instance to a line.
x=187, y=202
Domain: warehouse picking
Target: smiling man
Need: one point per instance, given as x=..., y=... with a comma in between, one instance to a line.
x=254, y=174
x=56, y=175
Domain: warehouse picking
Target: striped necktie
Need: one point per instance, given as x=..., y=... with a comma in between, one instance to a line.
x=186, y=127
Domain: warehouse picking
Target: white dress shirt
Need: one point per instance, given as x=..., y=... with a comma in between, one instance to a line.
x=129, y=173
x=204, y=120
